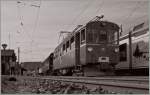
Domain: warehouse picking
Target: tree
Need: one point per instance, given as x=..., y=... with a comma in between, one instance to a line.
x=137, y=52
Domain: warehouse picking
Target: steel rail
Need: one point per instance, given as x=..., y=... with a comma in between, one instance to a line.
x=110, y=78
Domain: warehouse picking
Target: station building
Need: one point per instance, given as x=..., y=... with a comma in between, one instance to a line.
x=8, y=61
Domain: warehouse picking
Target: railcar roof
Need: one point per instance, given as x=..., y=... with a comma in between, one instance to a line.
x=105, y=22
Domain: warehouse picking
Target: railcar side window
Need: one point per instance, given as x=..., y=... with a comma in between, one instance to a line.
x=72, y=39
x=64, y=47
x=56, y=53
x=54, y=56
x=61, y=51
x=67, y=45
x=123, y=52
x=71, y=42
x=82, y=36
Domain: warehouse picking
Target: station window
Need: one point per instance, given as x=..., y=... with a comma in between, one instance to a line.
x=82, y=36
x=123, y=52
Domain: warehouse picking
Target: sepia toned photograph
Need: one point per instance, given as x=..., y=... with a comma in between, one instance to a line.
x=74, y=46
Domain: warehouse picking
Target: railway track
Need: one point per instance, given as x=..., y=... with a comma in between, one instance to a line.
x=122, y=85
x=135, y=85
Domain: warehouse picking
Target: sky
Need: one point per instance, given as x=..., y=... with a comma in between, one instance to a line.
x=35, y=30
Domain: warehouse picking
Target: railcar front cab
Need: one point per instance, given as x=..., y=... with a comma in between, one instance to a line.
x=102, y=43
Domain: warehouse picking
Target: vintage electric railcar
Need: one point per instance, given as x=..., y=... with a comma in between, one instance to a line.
x=90, y=50
x=134, y=51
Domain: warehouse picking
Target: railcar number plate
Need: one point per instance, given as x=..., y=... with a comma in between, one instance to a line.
x=103, y=59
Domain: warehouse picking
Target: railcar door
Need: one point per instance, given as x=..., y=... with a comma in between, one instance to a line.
x=78, y=69
x=77, y=49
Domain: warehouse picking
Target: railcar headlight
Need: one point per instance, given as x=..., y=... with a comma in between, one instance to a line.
x=103, y=49
x=90, y=49
x=116, y=49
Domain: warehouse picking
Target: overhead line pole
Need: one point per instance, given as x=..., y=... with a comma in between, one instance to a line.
x=36, y=22
x=130, y=52
x=9, y=39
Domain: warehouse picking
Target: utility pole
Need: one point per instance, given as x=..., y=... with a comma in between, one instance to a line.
x=18, y=55
x=130, y=51
x=9, y=40
x=19, y=59
x=4, y=62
